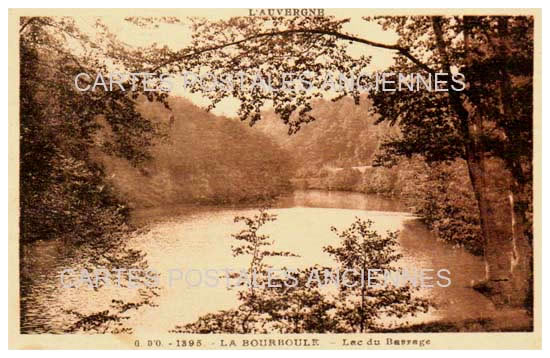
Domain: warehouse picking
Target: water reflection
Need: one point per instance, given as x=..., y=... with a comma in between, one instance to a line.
x=340, y=200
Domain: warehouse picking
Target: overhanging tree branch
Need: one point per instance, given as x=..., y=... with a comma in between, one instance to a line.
x=401, y=50
x=26, y=24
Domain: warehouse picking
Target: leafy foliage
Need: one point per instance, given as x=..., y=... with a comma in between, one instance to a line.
x=269, y=47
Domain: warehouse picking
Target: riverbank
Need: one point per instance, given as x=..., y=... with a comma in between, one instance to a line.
x=441, y=195
x=141, y=217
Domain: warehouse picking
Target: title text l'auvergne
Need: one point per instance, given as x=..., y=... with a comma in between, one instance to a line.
x=286, y=12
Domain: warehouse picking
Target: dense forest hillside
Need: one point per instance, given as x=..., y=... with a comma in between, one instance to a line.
x=344, y=134
x=202, y=158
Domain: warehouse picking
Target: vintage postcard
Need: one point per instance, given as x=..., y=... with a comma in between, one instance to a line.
x=274, y=179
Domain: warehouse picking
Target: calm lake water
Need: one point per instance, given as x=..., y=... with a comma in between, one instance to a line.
x=199, y=239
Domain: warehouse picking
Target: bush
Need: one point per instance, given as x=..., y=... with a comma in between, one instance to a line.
x=443, y=197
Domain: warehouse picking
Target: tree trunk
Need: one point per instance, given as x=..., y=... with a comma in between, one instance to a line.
x=522, y=265
x=507, y=251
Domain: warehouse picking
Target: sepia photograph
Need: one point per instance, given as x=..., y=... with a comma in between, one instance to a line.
x=274, y=178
